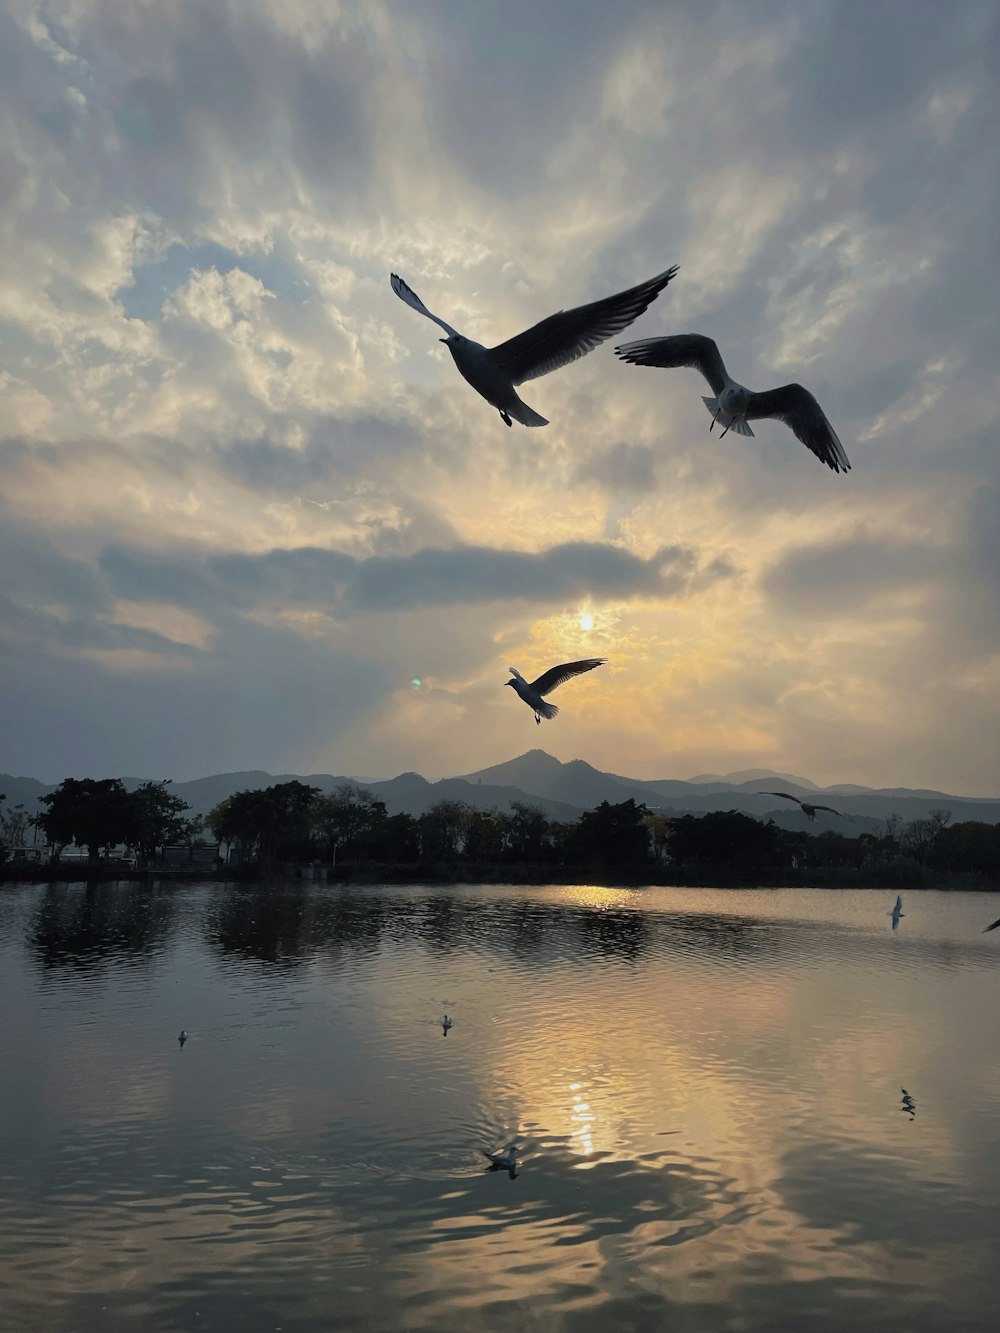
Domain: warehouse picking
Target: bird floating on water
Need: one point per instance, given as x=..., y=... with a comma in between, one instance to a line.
x=564, y=337
x=808, y=809
x=897, y=911
x=446, y=1023
x=734, y=405
x=532, y=691
x=502, y=1161
x=183, y=1037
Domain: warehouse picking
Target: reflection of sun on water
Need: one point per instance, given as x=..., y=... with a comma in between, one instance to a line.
x=582, y=1118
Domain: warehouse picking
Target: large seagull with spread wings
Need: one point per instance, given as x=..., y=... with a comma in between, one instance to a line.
x=533, y=692
x=564, y=337
x=735, y=406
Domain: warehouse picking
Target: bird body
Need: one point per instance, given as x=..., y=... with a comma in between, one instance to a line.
x=897, y=911
x=446, y=1023
x=533, y=692
x=554, y=342
x=733, y=405
x=507, y=1158
x=182, y=1038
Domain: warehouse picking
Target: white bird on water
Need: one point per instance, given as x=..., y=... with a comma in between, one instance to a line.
x=897, y=911
x=506, y=1159
x=734, y=405
x=532, y=692
x=564, y=337
x=182, y=1038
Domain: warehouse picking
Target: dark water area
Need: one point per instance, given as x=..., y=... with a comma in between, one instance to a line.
x=736, y=1110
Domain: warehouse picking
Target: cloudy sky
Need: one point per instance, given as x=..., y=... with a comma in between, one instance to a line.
x=251, y=517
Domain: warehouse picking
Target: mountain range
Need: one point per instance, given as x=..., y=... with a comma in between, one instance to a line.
x=564, y=790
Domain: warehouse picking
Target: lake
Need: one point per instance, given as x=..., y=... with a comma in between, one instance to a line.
x=736, y=1110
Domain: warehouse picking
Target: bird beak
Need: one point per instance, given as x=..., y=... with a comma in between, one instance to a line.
x=442, y=340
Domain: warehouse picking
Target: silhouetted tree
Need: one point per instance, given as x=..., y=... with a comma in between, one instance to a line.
x=92, y=812
x=346, y=822
x=14, y=825
x=158, y=817
x=725, y=837
x=442, y=830
x=396, y=840
x=611, y=833
x=268, y=825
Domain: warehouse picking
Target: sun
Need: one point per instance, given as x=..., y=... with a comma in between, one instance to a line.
x=586, y=621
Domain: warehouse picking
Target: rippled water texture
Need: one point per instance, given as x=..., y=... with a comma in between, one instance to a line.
x=736, y=1110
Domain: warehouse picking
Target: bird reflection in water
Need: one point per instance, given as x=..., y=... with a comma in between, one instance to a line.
x=909, y=1105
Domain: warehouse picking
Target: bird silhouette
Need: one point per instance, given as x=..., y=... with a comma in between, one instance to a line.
x=808, y=809
x=564, y=337
x=734, y=405
x=532, y=691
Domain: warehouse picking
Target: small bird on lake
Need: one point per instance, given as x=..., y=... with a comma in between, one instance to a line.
x=532, y=691
x=502, y=1161
x=182, y=1038
x=808, y=809
x=446, y=1024
x=564, y=337
x=993, y=926
x=734, y=405
x=897, y=911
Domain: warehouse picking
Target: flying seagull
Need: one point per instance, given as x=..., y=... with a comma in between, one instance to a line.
x=897, y=911
x=808, y=810
x=993, y=926
x=734, y=406
x=556, y=341
x=532, y=692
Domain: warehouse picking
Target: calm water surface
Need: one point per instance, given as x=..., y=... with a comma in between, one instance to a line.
x=707, y=1088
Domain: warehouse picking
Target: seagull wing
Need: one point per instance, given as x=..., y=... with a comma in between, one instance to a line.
x=570, y=334
x=556, y=675
x=683, y=349
x=799, y=410
x=785, y=795
x=406, y=293
x=831, y=810
x=993, y=926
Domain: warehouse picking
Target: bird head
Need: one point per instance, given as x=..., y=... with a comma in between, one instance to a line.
x=453, y=340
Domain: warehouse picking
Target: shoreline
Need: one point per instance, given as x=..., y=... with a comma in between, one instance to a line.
x=896, y=876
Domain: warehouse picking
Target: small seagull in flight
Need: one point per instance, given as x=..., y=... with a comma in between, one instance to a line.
x=992, y=927
x=555, y=342
x=897, y=911
x=532, y=692
x=734, y=406
x=807, y=809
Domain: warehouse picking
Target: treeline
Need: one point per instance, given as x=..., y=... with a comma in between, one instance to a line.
x=294, y=824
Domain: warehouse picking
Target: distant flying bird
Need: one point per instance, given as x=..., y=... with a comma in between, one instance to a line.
x=909, y=1105
x=808, y=810
x=897, y=911
x=532, y=692
x=506, y=1159
x=446, y=1023
x=734, y=406
x=182, y=1038
x=555, y=342
x=993, y=926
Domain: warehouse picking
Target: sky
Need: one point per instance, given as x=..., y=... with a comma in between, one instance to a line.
x=252, y=517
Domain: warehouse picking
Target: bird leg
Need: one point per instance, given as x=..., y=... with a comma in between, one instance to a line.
x=711, y=426
x=726, y=431
x=538, y=720
x=504, y=417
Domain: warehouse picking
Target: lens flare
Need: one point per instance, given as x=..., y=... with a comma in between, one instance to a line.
x=416, y=682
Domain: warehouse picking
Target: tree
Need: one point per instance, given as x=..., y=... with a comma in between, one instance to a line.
x=92, y=812
x=267, y=825
x=530, y=834
x=346, y=821
x=612, y=834
x=158, y=817
x=443, y=828
x=725, y=837
x=14, y=824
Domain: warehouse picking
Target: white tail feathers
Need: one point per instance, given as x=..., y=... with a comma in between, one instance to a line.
x=547, y=710
x=739, y=425
x=526, y=415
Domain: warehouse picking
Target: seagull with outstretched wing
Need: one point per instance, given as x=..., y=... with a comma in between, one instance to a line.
x=992, y=926
x=734, y=406
x=564, y=337
x=533, y=692
x=808, y=809
x=897, y=911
